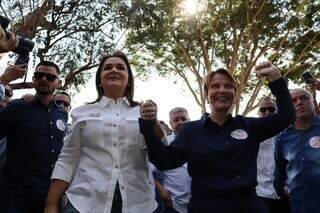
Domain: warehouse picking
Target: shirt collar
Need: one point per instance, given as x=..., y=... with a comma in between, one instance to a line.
x=206, y=120
x=37, y=100
x=105, y=101
x=315, y=122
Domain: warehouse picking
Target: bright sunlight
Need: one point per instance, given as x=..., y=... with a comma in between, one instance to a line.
x=192, y=7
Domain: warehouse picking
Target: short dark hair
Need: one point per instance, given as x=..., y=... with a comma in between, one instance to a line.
x=62, y=93
x=49, y=64
x=129, y=91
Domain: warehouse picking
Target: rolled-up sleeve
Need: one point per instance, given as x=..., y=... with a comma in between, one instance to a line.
x=69, y=157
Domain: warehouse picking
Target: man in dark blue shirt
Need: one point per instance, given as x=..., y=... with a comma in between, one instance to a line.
x=35, y=132
x=298, y=157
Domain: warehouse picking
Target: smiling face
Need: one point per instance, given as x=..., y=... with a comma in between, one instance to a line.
x=303, y=104
x=221, y=93
x=114, y=77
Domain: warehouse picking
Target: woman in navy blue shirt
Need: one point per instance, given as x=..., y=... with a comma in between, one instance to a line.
x=220, y=149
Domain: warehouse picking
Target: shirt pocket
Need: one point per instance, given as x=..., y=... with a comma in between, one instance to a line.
x=92, y=131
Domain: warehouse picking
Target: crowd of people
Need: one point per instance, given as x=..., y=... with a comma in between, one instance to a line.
x=116, y=156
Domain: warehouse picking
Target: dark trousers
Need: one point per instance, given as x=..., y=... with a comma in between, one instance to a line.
x=25, y=206
x=276, y=205
x=170, y=210
x=227, y=203
x=117, y=200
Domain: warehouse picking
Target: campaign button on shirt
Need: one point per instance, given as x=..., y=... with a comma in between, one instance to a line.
x=60, y=124
x=239, y=134
x=315, y=142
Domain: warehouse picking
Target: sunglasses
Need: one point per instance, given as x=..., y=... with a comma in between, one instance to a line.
x=64, y=103
x=269, y=109
x=48, y=76
x=8, y=93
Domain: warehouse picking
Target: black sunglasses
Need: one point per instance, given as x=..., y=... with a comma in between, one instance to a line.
x=8, y=93
x=64, y=103
x=265, y=109
x=48, y=76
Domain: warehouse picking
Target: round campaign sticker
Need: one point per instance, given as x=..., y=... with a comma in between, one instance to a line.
x=239, y=134
x=315, y=142
x=60, y=125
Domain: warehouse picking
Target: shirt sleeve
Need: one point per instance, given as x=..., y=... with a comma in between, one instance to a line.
x=68, y=160
x=267, y=127
x=162, y=156
x=280, y=175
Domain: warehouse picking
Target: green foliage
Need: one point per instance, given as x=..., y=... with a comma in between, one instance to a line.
x=74, y=34
x=163, y=38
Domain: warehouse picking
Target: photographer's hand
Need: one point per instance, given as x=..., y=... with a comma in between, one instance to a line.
x=13, y=72
x=7, y=45
x=315, y=85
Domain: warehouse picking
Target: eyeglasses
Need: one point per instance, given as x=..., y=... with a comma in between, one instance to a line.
x=64, y=103
x=269, y=109
x=48, y=76
x=8, y=93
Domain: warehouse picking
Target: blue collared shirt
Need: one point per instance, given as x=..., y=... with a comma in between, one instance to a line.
x=2, y=91
x=35, y=135
x=297, y=157
x=221, y=159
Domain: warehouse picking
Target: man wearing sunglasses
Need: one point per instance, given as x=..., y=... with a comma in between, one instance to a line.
x=266, y=164
x=63, y=99
x=35, y=132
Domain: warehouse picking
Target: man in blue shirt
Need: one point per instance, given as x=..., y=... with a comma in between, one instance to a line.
x=35, y=132
x=297, y=157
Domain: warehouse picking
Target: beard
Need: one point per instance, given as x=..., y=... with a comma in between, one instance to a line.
x=45, y=90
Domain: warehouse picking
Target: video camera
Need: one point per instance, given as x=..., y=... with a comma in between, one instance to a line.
x=24, y=47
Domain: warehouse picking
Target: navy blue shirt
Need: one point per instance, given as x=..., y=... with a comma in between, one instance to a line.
x=221, y=159
x=35, y=135
x=297, y=155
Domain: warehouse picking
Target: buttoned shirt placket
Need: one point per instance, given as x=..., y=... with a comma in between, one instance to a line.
x=51, y=139
x=116, y=121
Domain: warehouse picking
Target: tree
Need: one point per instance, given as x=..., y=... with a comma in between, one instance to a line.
x=73, y=34
x=233, y=34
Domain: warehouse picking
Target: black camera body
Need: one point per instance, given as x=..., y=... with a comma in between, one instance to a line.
x=25, y=44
